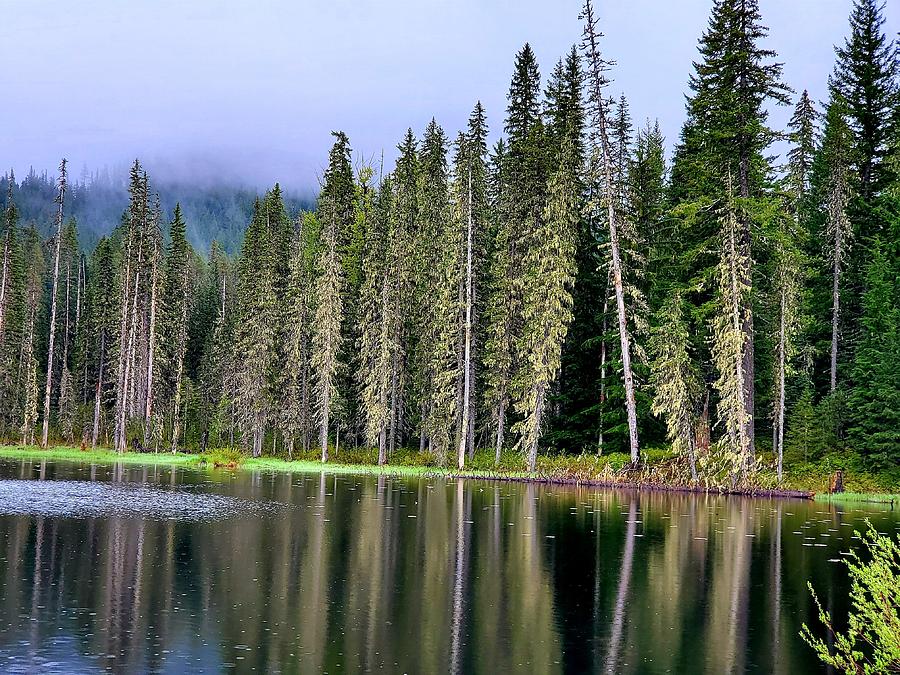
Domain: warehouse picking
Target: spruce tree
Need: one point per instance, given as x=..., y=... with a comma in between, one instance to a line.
x=605, y=166
x=549, y=267
x=60, y=201
x=335, y=211
x=177, y=301
x=836, y=152
x=865, y=77
x=723, y=141
x=254, y=332
x=676, y=383
x=874, y=399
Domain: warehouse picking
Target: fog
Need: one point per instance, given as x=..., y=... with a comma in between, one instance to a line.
x=247, y=91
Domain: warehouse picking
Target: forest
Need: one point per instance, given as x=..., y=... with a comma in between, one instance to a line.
x=572, y=288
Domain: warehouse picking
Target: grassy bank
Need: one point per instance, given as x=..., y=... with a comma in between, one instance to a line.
x=660, y=470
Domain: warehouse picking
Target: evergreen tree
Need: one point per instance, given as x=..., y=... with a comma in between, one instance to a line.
x=676, y=383
x=724, y=139
x=836, y=152
x=254, y=332
x=874, y=400
x=470, y=190
x=336, y=214
x=865, y=78
x=549, y=265
x=177, y=299
x=614, y=219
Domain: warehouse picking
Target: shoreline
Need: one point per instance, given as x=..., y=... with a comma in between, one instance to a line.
x=201, y=462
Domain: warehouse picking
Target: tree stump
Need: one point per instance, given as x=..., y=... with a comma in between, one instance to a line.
x=837, y=482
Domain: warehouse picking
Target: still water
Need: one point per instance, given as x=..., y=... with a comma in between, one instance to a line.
x=161, y=569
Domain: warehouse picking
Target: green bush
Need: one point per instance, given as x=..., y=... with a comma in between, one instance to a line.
x=871, y=643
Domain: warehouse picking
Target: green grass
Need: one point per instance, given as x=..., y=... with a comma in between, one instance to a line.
x=859, y=497
x=662, y=469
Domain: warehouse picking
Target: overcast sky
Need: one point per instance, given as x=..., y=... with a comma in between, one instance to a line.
x=248, y=90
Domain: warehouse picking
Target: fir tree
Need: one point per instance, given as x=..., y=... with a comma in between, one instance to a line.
x=335, y=214
x=547, y=303
x=676, y=383
x=836, y=151
x=865, y=78
x=874, y=400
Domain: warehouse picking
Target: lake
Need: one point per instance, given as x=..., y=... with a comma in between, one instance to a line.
x=132, y=568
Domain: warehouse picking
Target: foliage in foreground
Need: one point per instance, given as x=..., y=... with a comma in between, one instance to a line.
x=871, y=643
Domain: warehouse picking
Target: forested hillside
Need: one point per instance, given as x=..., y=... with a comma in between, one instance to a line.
x=564, y=290
x=96, y=202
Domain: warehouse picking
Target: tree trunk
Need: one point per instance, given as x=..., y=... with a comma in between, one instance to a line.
x=835, y=306
x=501, y=421
x=4, y=282
x=96, y=430
x=603, y=329
x=59, y=219
x=782, y=365
x=596, y=68
x=538, y=413
x=467, y=350
x=323, y=431
x=151, y=348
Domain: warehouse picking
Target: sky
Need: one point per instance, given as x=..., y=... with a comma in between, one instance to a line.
x=248, y=91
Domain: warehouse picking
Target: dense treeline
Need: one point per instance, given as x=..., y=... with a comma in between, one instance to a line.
x=563, y=289
x=95, y=200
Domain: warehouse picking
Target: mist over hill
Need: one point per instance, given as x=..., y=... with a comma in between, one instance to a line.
x=97, y=200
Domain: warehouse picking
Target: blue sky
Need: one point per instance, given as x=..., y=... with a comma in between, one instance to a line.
x=248, y=90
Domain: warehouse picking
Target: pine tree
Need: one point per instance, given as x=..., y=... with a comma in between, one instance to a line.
x=27, y=368
x=598, y=81
x=724, y=140
x=12, y=312
x=499, y=337
x=177, y=298
x=549, y=265
x=438, y=249
x=836, y=151
x=60, y=200
x=874, y=400
x=730, y=337
x=471, y=209
x=335, y=214
x=254, y=332
x=803, y=137
x=865, y=78
x=102, y=312
x=676, y=383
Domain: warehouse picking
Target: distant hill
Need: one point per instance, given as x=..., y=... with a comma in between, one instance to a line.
x=98, y=201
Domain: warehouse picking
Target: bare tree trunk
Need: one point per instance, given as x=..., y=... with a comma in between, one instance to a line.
x=394, y=414
x=835, y=305
x=603, y=329
x=596, y=66
x=538, y=413
x=501, y=421
x=151, y=347
x=96, y=430
x=60, y=199
x=467, y=354
x=782, y=365
x=3, y=282
x=742, y=440
x=323, y=431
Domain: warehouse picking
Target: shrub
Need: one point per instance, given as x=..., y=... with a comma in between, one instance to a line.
x=871, y=643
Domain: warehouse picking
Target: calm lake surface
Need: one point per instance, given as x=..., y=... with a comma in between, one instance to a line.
x=154, y=569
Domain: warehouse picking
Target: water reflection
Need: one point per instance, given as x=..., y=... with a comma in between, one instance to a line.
x=375, y=573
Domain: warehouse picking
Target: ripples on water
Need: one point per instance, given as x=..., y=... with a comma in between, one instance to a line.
x=82, y=499
x=135, y=569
